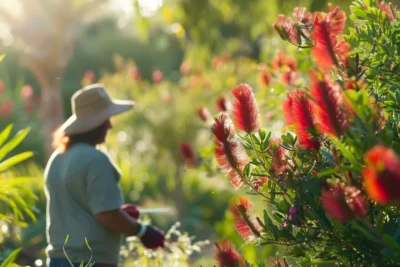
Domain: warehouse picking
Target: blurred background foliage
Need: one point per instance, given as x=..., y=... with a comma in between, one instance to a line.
x=172, y=57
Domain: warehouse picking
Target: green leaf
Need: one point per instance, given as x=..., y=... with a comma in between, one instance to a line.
x=11, y=258
x=13, y=143
x=5, y=165
x=347, y=153
x=5, y=134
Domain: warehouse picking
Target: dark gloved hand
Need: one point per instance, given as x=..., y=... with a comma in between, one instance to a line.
x=132, y=210
x=152, y=237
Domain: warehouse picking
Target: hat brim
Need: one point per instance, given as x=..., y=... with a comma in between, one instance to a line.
x=79, y=125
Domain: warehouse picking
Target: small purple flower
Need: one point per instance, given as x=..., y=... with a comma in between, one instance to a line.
x=292, y=212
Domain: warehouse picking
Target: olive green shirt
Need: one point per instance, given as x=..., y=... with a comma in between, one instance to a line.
x=80, y=183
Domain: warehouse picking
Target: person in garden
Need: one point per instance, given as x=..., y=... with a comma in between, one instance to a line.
x=84, y=198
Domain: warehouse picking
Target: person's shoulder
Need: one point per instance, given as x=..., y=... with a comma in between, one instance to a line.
x=91, y=153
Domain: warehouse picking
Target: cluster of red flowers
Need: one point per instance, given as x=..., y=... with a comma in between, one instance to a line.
x=321, y=31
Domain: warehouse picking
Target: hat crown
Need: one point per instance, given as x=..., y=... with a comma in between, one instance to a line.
x=90, y=100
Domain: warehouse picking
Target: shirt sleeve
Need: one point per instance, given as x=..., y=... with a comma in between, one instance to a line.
x=103, y=190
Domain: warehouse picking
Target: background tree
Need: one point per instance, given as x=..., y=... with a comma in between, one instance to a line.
x=46, y=32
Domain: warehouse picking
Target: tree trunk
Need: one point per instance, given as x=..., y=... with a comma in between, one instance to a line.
x=51, y=113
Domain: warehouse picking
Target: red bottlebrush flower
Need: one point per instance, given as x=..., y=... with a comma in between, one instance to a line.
x=388, y=9
x=269, y=116
x=2, y=86
x=6, y=108
x=260, y=182
x=242, y=206
x=304, y=121
x=157, y=76
x=352, y=84
x=279, y=161
x=343, y=204
x=245, y=109
x=287, y=30
x=187, y=154
x=220, y=60
x=382, y=175
x=329, y=114
x=229, y=153
x=301, y=15
x=227, y=256
x=247, y=226
x=135, y=74
x=223, y=104
x=281, y=60
x=194, y=81
x=265, y=77
x=290, y=77
x=336, y=20
x=287, y=107
x=328, y=50
x=185, y=68
x=203, y=113
x=89, y=77
x=26, y=92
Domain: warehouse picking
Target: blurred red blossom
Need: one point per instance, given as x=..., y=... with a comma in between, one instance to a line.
x=135, y=73
x=296, y=30
x=245, y=224
x=281, y=60
x=223, y=104
x=343, y=203
x=185, y=68
x=382, y=175
x=328, y=49
x=187, y=154
x=304, y=120
x=388, y=9
x=269, y=116
x=203, y=113
x=245, y=110
x=290, y=77
x=230, y=154
x=157, y=76
x=287, y=107
x=26, y=92
x=218, y=61
x=2, y=86
x=265, y=77
x=6, y=108
x=260, y=182
x=301, y=15
x=336, y=20
x=278, y=153
x=89, y=77
x=328, y=101
x=227, y=256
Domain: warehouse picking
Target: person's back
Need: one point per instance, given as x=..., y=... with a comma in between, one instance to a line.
x=80, y=183
x=84, y=199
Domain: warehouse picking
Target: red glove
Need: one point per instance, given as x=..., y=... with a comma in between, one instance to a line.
x=131, y=210
x=151, y=237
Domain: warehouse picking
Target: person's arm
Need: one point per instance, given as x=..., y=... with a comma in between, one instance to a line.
x=118, y=221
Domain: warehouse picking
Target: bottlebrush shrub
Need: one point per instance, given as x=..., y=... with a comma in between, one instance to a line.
x=331, y=183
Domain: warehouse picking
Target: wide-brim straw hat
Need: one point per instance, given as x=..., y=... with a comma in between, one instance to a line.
x=91, y=107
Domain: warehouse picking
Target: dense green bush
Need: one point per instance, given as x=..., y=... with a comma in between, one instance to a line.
x=330, y=181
